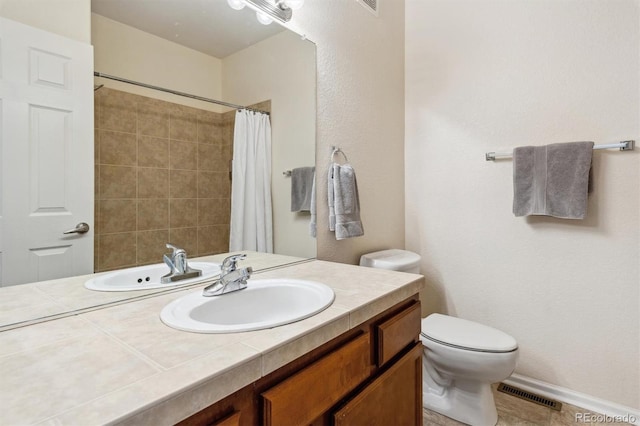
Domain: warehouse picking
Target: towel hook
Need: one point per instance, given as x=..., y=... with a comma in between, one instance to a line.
x=337, y=150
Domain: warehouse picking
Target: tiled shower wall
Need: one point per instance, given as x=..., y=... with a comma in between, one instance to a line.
x=162, y=175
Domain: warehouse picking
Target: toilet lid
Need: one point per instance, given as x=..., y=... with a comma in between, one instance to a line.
x=466, y=334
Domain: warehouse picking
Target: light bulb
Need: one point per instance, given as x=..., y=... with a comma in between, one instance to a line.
x=294, y=4
x=263, y=18
x=236, y=4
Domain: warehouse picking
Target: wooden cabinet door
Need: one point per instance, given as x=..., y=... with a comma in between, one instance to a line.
x=394, y=398
x=306, y=395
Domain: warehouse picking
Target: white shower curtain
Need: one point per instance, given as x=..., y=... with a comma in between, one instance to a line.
x=251, y=215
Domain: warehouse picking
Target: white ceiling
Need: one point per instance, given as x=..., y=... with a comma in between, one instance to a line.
x=208, y=26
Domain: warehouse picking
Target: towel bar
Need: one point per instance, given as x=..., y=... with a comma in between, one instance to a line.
x=287, y=173
x=624, y=146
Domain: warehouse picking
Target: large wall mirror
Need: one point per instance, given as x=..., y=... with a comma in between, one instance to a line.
x=162, y=161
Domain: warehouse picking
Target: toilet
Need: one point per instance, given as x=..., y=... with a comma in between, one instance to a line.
x=461, y=358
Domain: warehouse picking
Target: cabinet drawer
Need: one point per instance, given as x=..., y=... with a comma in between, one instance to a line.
x=312, y=391
x=231, y=420
x=398, y=332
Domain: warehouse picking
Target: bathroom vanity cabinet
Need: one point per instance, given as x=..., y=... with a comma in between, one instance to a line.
x=370, y=375
x=356, y=362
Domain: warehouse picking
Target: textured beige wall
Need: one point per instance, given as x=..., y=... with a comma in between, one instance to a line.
x=124, y=51
x=69, y=18
x=361, y=109
x=281, y=69
x=502, y=74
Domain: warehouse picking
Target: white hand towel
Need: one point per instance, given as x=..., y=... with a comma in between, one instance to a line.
x=331, y=199
x=346, y=203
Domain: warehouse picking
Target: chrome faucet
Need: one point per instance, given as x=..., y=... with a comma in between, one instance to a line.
x=231, y=278
x=180, y=269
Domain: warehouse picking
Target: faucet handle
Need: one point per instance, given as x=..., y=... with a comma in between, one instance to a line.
x=230, y=264
x=178, y=259
x=175, y=250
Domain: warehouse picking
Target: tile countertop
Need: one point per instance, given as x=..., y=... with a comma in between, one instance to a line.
x=22, y=304
x=121, y=364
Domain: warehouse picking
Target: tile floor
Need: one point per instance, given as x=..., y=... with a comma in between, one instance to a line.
x=513, y=411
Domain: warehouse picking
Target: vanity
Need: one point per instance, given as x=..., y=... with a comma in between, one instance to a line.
x=356, y=362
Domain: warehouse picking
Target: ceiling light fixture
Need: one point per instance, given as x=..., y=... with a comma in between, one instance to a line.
x=268, y=10
x=236, y=4
x=263, y=18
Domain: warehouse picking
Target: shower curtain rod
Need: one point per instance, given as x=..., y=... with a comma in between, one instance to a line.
x=174, y=92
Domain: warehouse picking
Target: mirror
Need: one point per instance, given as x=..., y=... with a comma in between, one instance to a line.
x=267, y=67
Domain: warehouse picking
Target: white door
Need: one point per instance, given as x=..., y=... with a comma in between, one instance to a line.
x=46, y=154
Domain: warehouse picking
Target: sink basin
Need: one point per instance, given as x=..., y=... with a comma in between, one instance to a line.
x=265, y=303
x=147, y=277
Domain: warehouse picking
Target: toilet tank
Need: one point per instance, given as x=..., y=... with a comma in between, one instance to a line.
x=393, y=259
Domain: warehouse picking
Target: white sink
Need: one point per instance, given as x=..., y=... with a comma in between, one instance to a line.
x=265, y=303
x=147, y=277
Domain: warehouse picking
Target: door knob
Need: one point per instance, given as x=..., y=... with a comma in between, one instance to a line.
x=80, y=228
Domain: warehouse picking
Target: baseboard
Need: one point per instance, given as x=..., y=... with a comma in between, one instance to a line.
x=578, y=399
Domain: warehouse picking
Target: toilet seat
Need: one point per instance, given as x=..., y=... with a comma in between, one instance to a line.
x=466, y=335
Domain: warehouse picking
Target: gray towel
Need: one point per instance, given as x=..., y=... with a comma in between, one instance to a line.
x=301, y=185
x=312, y=209
x=552, y=180
x=344, y=204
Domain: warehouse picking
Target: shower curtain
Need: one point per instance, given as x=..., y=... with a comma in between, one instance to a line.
x=251, y=225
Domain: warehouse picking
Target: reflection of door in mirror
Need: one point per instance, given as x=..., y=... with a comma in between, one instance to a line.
x=45, y=122
x=163, y=161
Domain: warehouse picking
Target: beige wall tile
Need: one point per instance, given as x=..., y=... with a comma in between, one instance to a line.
x=96, y=146
x=184, y=124
x=153, y=152
x=214, y=211
x=117, y=251
x=209, y=128
x=183, y=212
x=118, y=111
x=221, y=185
x=213, y=239
x=227, y=131
x=152, y=182
x=214, y=185
x=97, y=96
x=206, y=180
x=153, y=214
x=96, y=216
x=152, y=245
x=96, y=185
x=183, y=155
x=209, y=157
x=118, y=148
x=184, y=184
x=117, y=182
x=117, y=216
x=186, y=238
x=153, y=118
x=96, y=251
